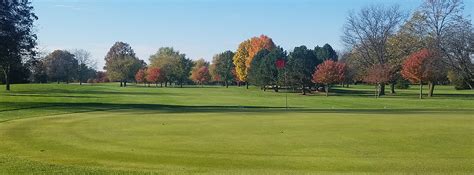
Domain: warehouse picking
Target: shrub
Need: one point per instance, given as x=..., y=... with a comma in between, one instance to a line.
x=402, y=84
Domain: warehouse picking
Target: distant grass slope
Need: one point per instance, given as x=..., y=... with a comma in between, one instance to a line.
x=101, y=129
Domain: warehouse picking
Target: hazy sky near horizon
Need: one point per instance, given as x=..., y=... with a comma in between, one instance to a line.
x=198, y=28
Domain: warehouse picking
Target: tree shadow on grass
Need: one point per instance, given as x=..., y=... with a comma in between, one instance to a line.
x=371, y=93
x=50, y=95
x=162, y=108
x=351, y=92
x=52, y=92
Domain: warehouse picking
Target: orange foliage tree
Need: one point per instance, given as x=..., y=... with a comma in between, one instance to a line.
x=155, y=75
x=140, y=77
x=201, y=75
x=328, y=73
x=245, y=53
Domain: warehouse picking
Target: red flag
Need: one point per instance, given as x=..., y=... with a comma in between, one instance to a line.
x=280, y=63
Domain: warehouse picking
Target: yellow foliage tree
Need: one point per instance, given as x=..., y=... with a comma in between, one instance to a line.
x=246, y=51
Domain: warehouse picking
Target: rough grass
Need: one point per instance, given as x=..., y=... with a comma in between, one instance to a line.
x=104, y=129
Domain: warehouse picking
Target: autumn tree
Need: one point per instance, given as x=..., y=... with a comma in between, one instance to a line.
x=201, y=75
x=378, y=75
x=121, y=63
x=140, y=77
x=61, y=66
x=200, y=63
x=246, y=52
x=422, y=67
x=17, y=36
x=155, y=75
x=200, y=72
x=101, y=77
x=368, y=32
x=328, y=73
x=165, y=59
x=302, y=63
x=411, y=37
x=174, y=63
x=222, y=67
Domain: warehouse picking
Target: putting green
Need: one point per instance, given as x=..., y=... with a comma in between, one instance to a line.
x=252, y=142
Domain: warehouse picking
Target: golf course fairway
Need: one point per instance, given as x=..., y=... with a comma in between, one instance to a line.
x=156, y=138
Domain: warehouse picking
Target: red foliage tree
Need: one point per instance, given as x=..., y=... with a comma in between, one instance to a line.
x=155, y=75
x=328, y=73
x=378, y=75
x=140, y=77
x=422, y=67
x=101, y=77
x=201, y=75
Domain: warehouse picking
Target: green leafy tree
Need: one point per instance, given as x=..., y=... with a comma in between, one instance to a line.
x=200, y=63
x=175, y=64
x=263, y=69
x=302, y=63
x=183, y=69
x=325, y=53
x=17, y=37
x=222, y=67
x=61, y=66
x=121, y=63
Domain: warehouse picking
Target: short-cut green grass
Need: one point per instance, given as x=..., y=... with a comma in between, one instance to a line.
x=104, y=129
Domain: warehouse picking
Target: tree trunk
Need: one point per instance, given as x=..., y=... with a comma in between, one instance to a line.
x=181, y=84
x=238, y=83
x=421, y=90
x=7, y=79
x=303, y=90
x=392, y=88
x=80, y=82
x=124, y=83
x=247, y=84
x=326, y=88
x=121, y=84
x=469, y=84
x=376, y=90
x=166, y=84
x=382, y=89
x=431, y=87
x=226, y=84
x=276, y=88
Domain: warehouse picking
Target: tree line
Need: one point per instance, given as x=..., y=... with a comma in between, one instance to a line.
x=384, y=46
x=433, y=45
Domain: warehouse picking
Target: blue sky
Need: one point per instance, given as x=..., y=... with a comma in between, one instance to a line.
x=199, y=28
